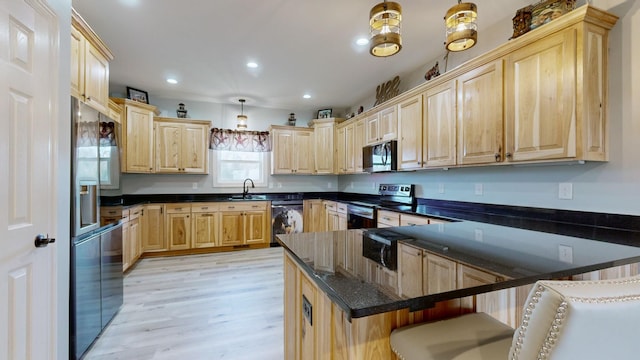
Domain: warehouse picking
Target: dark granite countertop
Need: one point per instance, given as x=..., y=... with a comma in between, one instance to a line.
x=521, y=256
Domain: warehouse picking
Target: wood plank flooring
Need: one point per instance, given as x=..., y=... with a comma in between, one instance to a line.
x=213, y=306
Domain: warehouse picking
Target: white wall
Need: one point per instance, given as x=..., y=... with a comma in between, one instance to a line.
x=602, y=187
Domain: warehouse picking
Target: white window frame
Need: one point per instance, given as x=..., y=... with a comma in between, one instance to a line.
x=217, y=163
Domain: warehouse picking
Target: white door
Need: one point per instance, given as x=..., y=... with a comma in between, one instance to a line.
x=28, y=83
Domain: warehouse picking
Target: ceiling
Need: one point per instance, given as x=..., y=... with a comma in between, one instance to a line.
x=301, y=46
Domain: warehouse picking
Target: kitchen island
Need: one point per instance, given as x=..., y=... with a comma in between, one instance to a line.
x=339, y=304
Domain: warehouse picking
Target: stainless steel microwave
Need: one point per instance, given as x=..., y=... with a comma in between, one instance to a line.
x=380, y=157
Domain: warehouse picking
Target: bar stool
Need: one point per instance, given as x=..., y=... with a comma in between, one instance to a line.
x=564, y=320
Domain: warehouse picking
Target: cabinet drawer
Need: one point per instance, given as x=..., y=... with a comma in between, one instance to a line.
x=135, y=212
x=410, y=220
x=244, y=206
x=204, y=207
x=388, y=218
x=330, y=205
x=179, y=208
x=342, y=208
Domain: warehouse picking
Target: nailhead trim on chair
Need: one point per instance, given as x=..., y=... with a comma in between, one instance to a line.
x=525, y=321
x=552, y=335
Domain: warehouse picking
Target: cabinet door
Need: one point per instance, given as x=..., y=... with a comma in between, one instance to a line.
x=540, y=87
x=410, y=133
x=292, y=313
x=194, y=153
x=371, y=124
x=205, y=230
x=283, y=152
x=179, y=231
x=388, y=126
x=323, y=148
x=302, y=152
x=440, y=274
x=77, y=64
x=256, y=227
x=349, y=152
x=409, y=271
x=96, y=79
x=139, y=140
x=232, y=228
x=341, y=149
x=153, y=228
x=469, y=277
x=126, y=247
x=358, y=144
x=342, y=221
x=439, y=148
x=412, y=220
x=168, y=139
x=314, y=216
x=480, y=120
x=333, y=221
x=135, y=236
x=307, y=322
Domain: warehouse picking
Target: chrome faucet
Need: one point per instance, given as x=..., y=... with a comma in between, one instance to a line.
x=245, y=189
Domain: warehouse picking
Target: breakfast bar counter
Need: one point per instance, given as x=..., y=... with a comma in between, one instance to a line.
x=338, y=299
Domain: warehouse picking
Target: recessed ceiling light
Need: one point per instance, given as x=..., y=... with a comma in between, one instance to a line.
x=252, y=65
x=172, y=81
x=362, y=41
x=306, y=96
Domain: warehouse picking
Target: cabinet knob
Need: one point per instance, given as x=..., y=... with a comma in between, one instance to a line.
x=497, y=156
x=508, y=155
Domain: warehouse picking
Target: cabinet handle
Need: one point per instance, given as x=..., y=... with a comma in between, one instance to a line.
x=231, y=207
x=255, y=206
x=411, y=224
x=508, y=155
x=178, y=209
x=205, y=208
x=497, y=156
x=187, y=216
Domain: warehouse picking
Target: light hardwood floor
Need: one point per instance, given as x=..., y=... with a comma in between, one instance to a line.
x=214, y=306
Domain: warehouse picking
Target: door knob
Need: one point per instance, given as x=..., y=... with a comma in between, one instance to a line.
x=43, y=240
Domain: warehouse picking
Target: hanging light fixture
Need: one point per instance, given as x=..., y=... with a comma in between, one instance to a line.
x=385, y=21
x=242, y=118
x=462, y=27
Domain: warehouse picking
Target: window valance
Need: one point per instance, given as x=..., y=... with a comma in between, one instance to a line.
x=235, y=140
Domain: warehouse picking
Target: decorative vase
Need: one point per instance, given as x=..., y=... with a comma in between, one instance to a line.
x=292, y=119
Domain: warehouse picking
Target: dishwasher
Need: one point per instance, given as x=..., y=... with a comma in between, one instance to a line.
x=286, y=218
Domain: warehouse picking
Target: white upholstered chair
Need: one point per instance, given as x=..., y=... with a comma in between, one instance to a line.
x=563, y=320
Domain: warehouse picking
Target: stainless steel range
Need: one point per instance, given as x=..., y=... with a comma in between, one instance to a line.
x=362, y=214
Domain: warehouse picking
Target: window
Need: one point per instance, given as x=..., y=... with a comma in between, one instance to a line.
x=232, y=167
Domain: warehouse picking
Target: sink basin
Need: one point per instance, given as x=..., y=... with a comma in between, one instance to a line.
x=248, y=197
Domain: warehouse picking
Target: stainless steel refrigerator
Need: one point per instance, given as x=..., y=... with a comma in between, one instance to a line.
x=96, y=291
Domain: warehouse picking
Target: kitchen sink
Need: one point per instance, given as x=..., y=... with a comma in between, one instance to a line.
x=248, y=197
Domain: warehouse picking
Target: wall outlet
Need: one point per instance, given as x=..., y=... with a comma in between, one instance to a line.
x=194, y=185
x=478, y=235
x=565, y=253
x=441, y=188
x=565, y=191
x=479, y=189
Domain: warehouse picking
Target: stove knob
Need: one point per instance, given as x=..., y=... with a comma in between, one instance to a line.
x=383, y=187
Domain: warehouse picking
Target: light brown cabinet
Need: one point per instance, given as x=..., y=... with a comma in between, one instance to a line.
x=314, y=215
x=89, y=65
x=412, y=220
x=381, y=126
x=205, y=229
x=480, y=118
x=244, y=223
x=292, y=151
x=358, y=144
x=135, y=233
x=178, y=226
x=138, y=155
x=153, y=228
x=181, y=146
x=439, y=126
x=410, y=133
x=324, y=145
x=388, y=218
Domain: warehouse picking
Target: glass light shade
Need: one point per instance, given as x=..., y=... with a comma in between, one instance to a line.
x=385, y=20
x=242, y=122
x=462, y=26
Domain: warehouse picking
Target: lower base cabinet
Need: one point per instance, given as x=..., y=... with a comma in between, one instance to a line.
x=205, y=220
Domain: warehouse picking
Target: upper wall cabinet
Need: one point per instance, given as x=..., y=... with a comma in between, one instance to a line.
x=137, y=152
x=181, y=146
x=292, y=151
x=89, y=65
x=381, y=126
x=323, y=145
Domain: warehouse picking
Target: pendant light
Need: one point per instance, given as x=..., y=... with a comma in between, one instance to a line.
x=462, y=26
x=385, y=21
x=242, y=118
